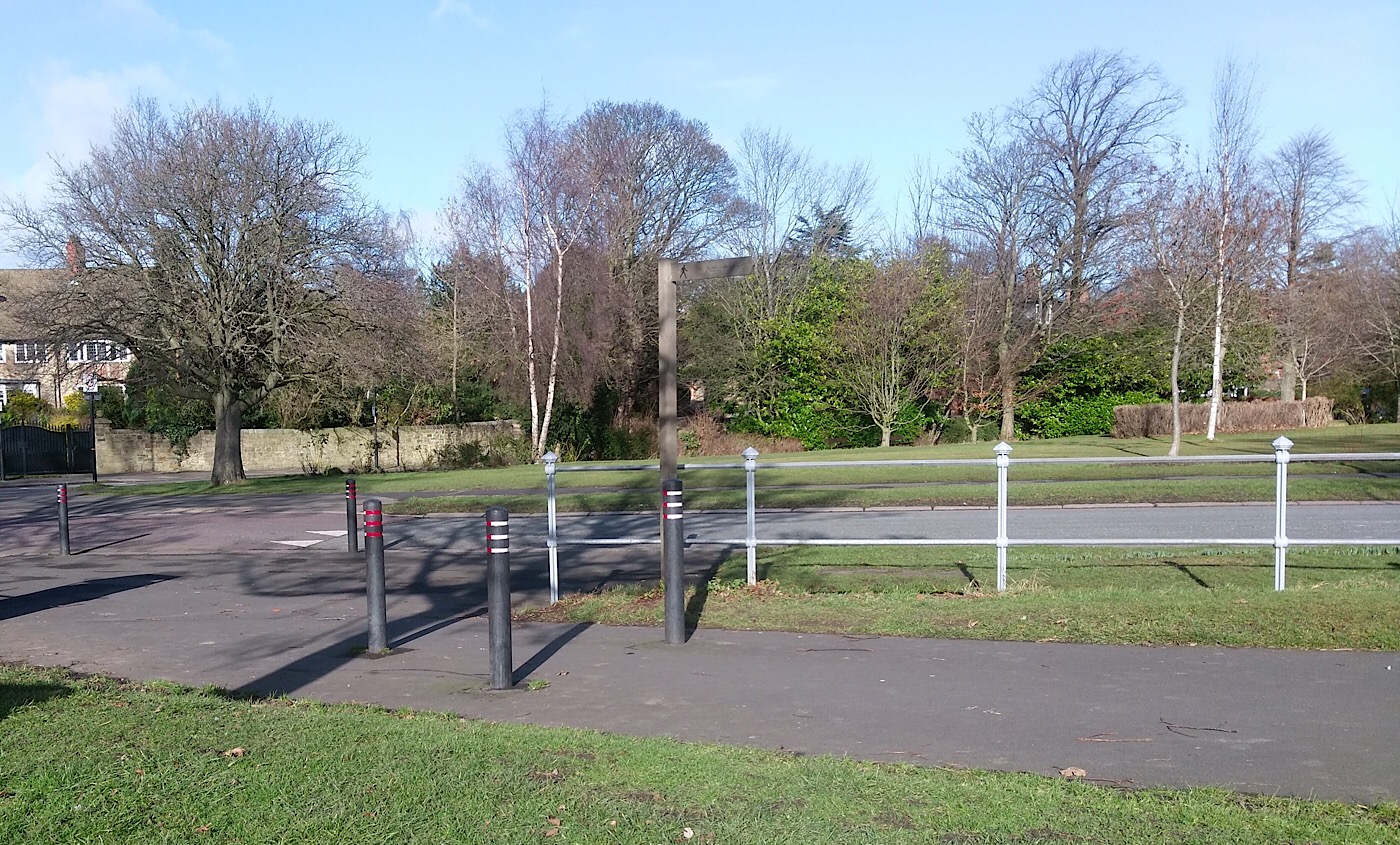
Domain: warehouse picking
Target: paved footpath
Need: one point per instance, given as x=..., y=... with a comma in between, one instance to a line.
x=1313, y=724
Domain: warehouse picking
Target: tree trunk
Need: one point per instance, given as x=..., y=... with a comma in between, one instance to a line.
x=1288, y=379
x=1008, y=411
x=228, y=439
x=1217, y=360
x=1176, y=381
x=884, y=437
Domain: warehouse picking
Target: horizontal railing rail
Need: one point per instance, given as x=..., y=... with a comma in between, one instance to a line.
x=1002, y=462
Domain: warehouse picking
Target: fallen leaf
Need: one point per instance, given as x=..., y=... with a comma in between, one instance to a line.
x=553, y=831
x=972, y=624
x=687, y=833
x=202, y=829
x=235, y=752
x=554, y=821
x=1073, y=772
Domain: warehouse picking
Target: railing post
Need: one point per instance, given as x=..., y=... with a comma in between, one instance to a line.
x=374, y=580
x=63, y=547
x=673, y=552
x=1003, y=451
x=352, y=523
x=751, y=538
x=498, y=596
x=552, y=540
x=1281, y=458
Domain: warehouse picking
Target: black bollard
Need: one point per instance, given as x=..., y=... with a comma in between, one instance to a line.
x=374, y=568
x=498, y=596
x=673, y=547
x=63, y=519
x=352, y=525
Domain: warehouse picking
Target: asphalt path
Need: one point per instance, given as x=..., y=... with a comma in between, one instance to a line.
x=1266, y=721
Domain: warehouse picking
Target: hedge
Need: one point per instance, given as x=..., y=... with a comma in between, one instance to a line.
x=1258, y=415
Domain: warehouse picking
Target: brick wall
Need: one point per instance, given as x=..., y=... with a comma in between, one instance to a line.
x=291, y=451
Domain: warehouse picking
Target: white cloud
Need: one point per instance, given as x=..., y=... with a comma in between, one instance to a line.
x=461, y=9
x=141, y=16
x=75, y=111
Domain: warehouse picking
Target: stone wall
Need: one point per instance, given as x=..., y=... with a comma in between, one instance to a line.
x=284, y=450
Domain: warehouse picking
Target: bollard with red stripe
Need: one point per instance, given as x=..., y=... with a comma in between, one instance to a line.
x=498, y=596
x=673, y=559
x=63, y=547
x=352, y=524
x=374, y=571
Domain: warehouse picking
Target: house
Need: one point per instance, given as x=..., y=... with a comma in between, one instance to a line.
x=47, y=368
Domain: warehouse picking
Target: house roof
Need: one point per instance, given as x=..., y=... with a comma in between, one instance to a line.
x=23, y=291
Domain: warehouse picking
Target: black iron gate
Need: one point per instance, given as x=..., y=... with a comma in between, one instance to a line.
x=39, y=450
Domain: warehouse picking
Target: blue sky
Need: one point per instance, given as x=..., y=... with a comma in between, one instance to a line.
x=428, y=84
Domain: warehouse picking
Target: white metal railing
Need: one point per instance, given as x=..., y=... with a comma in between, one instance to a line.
x=1002, y=541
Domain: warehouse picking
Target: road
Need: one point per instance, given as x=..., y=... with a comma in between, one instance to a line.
x=235, y=522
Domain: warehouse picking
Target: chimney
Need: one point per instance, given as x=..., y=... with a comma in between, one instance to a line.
x=77, y=258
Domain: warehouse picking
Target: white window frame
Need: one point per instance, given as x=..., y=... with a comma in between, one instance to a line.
x=39, y=352
x=97, y=352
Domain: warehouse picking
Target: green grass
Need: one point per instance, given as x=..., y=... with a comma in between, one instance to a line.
x=951, y=484
x=1336, y=598
x=93, y=760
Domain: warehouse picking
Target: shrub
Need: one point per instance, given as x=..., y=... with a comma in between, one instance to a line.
x=500, y=450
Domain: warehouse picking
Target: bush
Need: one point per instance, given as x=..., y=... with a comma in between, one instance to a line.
x=25, y=408
x=500, y=450
x=1073, y=416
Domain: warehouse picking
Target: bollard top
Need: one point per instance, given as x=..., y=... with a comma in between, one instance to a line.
x=750, y=454
x=549, y=457
x=1282, y=444
x=1002, y=448
x=496, y=513
x=670, y=484
x=373, y=505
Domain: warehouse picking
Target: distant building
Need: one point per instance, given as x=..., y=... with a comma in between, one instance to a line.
x=48, y=369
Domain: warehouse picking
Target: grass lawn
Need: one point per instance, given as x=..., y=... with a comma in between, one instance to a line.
x=93, y=760
x=1337, y=597
x=783, y=482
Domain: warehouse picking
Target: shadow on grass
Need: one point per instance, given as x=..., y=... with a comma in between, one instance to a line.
x=695, y=606
x=1186, y=570
x=15, y=696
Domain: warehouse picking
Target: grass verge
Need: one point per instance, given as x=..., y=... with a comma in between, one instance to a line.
x=611, y=490
x=1337, y=598
x=97, y=760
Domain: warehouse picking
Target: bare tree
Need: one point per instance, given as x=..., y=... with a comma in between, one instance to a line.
x=1236, y=212
x=664, y=189
x=891, y=348
x=1313, y=188
x=1096, y=123
x=219, y=245
x=515, y=235
x=1373, y=289
x=1181, y=256
x=989, y=203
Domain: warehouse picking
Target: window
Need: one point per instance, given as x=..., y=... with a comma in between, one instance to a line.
x=96, y=351
x=30, y=352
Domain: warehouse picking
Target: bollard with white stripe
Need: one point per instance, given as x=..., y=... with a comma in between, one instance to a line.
x=374, y=571
x=352, y=524
x=63, y=547
x=673, y=547
x=498, y=596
